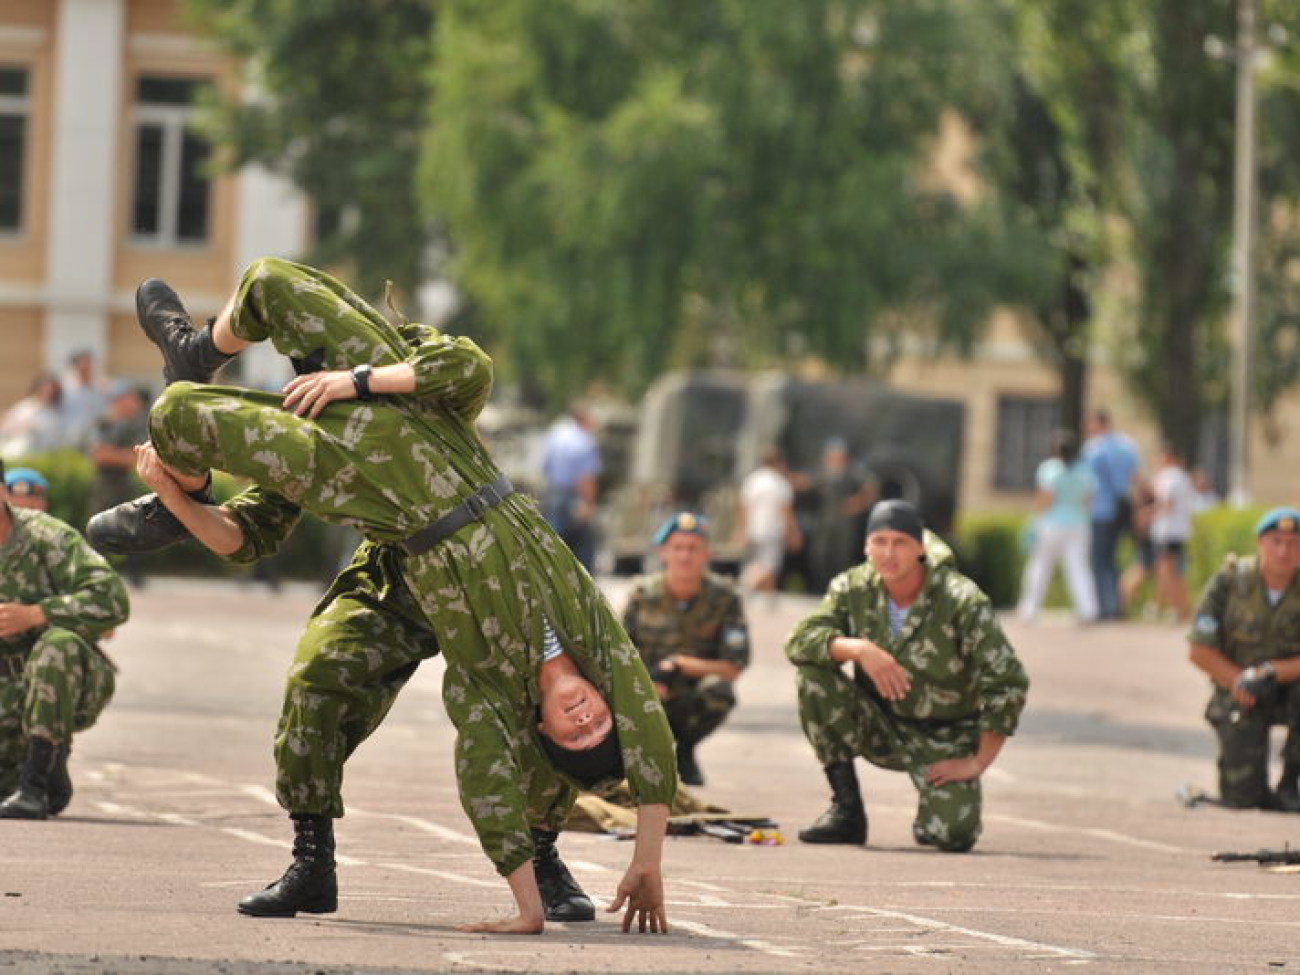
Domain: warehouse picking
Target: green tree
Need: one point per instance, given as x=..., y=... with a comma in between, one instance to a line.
x=635, y=184
x=340, y=90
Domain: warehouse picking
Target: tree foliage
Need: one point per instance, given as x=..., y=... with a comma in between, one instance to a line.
x=634, y=184
x=346, y=88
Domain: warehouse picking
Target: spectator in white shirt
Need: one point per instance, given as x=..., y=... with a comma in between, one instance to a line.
x=1171, y=528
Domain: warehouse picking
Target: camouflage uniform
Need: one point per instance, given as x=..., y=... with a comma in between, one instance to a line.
x=365, y=639
x=711, y=626
x=389, y=468
x=1235, y=618
x=54, y=680
x=966, y=679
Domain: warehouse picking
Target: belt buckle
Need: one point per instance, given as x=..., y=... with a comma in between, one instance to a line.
x=477, y=504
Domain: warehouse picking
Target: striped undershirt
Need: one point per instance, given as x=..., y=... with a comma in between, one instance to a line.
x=550, y=642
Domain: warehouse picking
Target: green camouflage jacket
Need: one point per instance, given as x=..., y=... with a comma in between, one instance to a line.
x=47, y=563
x=1235, y=618
x=711, y=626
x=961, y=665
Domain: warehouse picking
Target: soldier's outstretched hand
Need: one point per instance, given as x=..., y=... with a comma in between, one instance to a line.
x=307, y=395
x=642, y=888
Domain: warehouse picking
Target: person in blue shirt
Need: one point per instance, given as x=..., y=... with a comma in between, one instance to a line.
x=1114, y=460
x=1061, y=530
x=571, y=466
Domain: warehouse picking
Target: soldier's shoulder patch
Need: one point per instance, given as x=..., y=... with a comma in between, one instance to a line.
x=735, y=637
x=1205, y=623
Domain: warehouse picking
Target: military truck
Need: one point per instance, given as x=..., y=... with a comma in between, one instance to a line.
x=701, y=432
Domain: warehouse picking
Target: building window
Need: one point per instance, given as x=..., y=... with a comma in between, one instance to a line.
x=14, y=109
x=172, y=191
x=1025, y=425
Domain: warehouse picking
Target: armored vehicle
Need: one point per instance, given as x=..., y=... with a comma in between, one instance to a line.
x=702, y=432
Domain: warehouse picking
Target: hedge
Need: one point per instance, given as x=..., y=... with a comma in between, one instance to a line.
x=989, y=550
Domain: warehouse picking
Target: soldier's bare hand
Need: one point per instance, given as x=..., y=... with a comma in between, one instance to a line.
x=308, y=395
x=152, y=470
x=18, y=618
x=642, y=888
x=954, y=770
x=887, y=674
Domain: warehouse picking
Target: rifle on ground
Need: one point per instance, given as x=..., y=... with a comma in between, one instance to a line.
x=1264, y=858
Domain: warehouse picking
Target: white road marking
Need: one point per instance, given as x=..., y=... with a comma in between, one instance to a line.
x=931, y=924
x=756, y=944
x=1102, y=834
x=458, y=878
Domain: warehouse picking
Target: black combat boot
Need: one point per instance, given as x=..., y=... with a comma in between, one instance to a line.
x=60, y=790
x=846, y=819
x=31, y=800
x=310, y=885
x=563, y=899
x=188, y=352
x=688, y=770
x=141, y=526
x=1286, y=797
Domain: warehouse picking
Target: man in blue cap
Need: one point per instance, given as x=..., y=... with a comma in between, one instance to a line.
x=689, y=626
x=27, y=488
x=1246, y=638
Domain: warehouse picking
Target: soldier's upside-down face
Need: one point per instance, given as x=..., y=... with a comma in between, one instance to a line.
x=895, y=555
x=574, y=715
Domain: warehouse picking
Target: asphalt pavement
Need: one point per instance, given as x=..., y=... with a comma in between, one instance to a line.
x=1088, y=860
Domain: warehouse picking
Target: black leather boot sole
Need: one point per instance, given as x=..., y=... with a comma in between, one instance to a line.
x=140, y=526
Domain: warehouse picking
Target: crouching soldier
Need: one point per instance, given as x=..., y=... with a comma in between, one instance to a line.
x=936, y=689
x=57, y=597
x=689, y=626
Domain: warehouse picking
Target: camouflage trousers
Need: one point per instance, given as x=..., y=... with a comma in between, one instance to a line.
x=1244, y=740
x=364, y=641
x=697, y=711
x=842, y=722
x=62, y=689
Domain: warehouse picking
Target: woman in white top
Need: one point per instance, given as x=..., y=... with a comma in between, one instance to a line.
x=1171, y=527
x=1062, y=530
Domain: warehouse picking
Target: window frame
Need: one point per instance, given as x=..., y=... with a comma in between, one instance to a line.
x=1038, y=416
x=173, y=120
x=19, y=107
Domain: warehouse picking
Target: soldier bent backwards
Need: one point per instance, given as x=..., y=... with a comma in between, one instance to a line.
x=397, y=457
x=936, y=689
x=1246, y=637
x=689, y=625
x=57, y=598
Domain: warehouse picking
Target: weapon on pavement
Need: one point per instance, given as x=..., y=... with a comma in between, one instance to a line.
x=1264, y=858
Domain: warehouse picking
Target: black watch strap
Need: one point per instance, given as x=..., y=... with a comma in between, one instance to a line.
x=361, y=380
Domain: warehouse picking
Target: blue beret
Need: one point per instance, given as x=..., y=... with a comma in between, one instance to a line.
x=1279, y=519
x=685, y=522
x=31, y=480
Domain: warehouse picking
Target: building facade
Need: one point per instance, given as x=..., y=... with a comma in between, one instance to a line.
x=103, y=184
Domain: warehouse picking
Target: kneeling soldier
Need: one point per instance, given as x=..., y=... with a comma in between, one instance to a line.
x=936, y=688
x=689, y=626
x=57, y=598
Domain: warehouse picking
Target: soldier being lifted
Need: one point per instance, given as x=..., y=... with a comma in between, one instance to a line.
x=57, y=598
x=936, y=688
x=1246, y=637
x=689, y=625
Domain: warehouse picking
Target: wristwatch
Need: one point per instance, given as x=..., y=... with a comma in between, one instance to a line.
x=361, y=380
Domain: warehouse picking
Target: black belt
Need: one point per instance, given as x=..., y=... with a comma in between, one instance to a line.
x=12, y=665
x=471, y=509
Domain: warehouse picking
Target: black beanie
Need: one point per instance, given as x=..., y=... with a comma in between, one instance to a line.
x=588, y=766
x=895, y=515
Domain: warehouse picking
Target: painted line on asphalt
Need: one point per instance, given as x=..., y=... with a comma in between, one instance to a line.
x=1003, y=940
x=754, y=944
x=1102, y=834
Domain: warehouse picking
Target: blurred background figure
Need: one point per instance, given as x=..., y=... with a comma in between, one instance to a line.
x=36, y=422
x=1143, y=565
x=27, y=488
x=836, y=499
x=1206, y=496
x=85, y=397
x=112, y=450
x=766, y=521
x=1062, y=530
x=1171, y=529
x=571, y=468
x=1114, y=461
